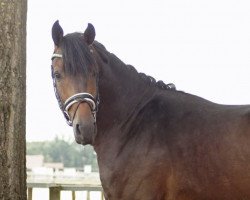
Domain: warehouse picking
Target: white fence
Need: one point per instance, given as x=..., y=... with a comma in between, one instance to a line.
x=59, y=184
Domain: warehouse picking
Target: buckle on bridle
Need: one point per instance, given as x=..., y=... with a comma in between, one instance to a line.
x=67, y=117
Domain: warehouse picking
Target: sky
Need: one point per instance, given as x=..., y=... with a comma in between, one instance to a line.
x=203, y=47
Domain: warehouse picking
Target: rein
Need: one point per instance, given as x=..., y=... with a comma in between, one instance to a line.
x=76, y=98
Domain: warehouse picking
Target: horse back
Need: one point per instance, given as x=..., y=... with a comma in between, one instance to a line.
x=209, y=148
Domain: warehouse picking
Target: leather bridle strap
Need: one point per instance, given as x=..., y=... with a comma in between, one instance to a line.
x=56, y=55
x=79, y=98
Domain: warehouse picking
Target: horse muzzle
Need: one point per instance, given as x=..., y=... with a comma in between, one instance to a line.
x=84, y=132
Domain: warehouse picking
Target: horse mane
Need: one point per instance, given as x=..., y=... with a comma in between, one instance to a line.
x=105, y=55
x=79, y=60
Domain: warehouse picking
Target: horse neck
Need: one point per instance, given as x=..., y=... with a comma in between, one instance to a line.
x=122, y=92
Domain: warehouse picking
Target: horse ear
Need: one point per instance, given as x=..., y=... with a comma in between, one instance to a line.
x=57, y=33
x=89, y=34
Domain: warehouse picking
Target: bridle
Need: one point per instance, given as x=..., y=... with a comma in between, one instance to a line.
x=76, y=98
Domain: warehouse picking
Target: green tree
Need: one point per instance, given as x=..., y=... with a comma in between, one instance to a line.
x=69, y=153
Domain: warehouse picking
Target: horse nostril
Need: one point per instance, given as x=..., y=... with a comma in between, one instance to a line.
x=78, y=132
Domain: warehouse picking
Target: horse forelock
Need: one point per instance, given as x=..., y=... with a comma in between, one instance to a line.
x=77, y=57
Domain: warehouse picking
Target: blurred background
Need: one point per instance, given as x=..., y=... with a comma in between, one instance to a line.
x=201, y=46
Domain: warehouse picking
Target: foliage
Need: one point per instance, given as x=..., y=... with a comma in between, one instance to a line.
x=67, y=152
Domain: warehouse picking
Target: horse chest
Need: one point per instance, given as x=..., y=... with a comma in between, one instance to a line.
x=137, y=184
x=132, y=178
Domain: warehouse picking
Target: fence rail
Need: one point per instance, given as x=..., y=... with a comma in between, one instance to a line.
x=55, y=189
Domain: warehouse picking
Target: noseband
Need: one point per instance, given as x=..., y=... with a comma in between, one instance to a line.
x=76, y=98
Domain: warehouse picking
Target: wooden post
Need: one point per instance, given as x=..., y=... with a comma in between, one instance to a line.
x=88, y=195
x=54, y=193
x=30, y=193
x=73, y=195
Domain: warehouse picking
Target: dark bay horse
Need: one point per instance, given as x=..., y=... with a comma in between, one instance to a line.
x=152, y=141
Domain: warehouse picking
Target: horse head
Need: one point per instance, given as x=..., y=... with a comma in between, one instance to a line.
x=75, y=77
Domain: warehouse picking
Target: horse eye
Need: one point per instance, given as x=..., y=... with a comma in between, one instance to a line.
x=57, y=75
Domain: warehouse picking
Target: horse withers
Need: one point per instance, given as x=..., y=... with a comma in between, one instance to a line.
x=152, y=141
